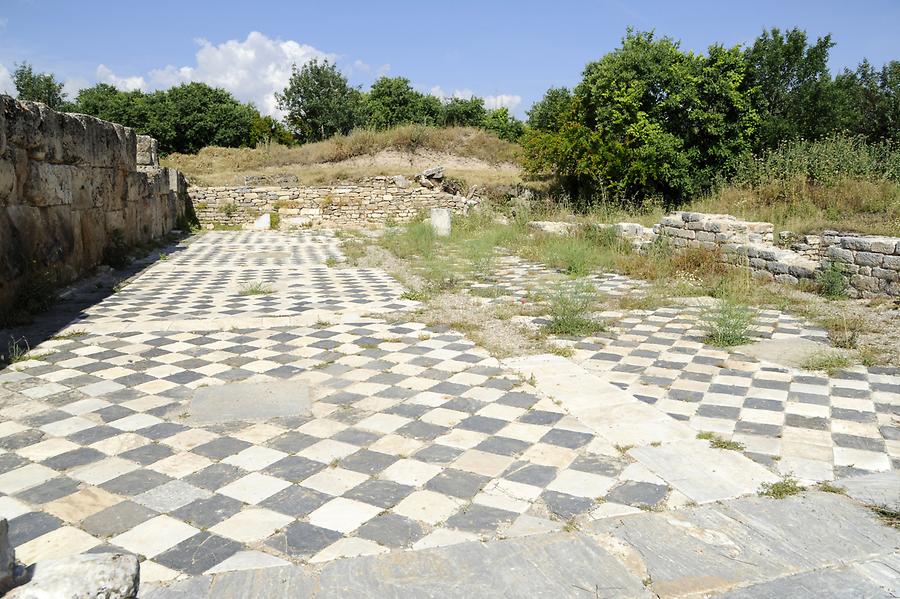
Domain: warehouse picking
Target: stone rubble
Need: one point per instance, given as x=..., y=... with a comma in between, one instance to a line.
x=86, y=576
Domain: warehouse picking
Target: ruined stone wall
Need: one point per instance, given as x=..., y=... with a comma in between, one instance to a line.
x=373, y=200
x=67, y=182
x=871, y=264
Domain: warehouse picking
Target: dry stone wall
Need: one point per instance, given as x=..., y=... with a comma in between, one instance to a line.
x=373, y=200
x=871, y=265
x=68, y=182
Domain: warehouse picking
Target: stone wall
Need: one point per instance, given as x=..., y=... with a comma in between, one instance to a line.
x=871, y=264
x=369, y=201
x=67, y=183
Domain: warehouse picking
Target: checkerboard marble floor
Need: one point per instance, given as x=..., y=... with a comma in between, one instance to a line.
x=814, y=426
x=207, y=280
x=416, y=437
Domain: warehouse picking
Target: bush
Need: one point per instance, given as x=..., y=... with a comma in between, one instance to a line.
x=570, y=309
x=727, y=324
x=831, y=283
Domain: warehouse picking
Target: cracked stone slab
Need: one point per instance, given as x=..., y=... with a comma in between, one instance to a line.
x=875, y=579
x=720, y=547
x=611, y=413
x=702, y=473
x=551, y=565
x=791, y=351
x=248, y=402
x=882, y=488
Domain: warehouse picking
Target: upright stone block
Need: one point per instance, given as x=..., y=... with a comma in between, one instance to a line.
x=440, y=221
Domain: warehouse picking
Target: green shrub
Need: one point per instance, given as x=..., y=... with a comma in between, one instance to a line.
x=831, y=282
x=274, y=220
x=570, y=308
x=728, y=323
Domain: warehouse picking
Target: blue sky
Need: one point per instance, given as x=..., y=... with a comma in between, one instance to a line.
x=508, y=52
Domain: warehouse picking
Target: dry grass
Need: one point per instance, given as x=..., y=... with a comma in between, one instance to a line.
x=473, y=155
x=804, y=207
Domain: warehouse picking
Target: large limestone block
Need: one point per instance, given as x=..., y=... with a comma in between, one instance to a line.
x=147, y=151
x=48, y=184
x=88, y=576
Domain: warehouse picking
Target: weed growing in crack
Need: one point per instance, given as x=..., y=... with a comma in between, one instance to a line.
x=890, y=517
x=828, y=361
x=786, y=487
x=717, y=442
x=827, y=487
x=728, y=323
x=570, y=311
x=256, y=288
x=18, y=350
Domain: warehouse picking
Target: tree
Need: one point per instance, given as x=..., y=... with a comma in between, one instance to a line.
x=392, y=101
x=505, y=125
x=460, y=112
x=319, y=102
x=184, y=119
x=791, y=86
x=38, y=87
x=267, y=129
x=208, y=116
x=869, y=101
x=648, y=120
x=549, y=113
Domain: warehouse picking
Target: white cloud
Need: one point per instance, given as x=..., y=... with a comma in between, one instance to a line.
x=502, y=100
x=252, y=69
x=6, y=82
x=490, y=102
x=128, y=84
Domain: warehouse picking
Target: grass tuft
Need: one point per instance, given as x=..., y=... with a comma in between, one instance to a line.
x=717, y=442
x=828, y=361
x=256, y=288
x=890, y=517
x=570, y=311
x=784, y=488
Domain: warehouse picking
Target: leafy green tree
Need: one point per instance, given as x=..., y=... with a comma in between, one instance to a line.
x=392, y=101
x=460, y=112
x=269, y=130
x=505, y=125
x=791, y=86
x=869, y=101
x=38, y=87
x=551, y=111
x=208, y=116
x=431, y=111
x=648, y=120
x=319, y=102
x=184, y=119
